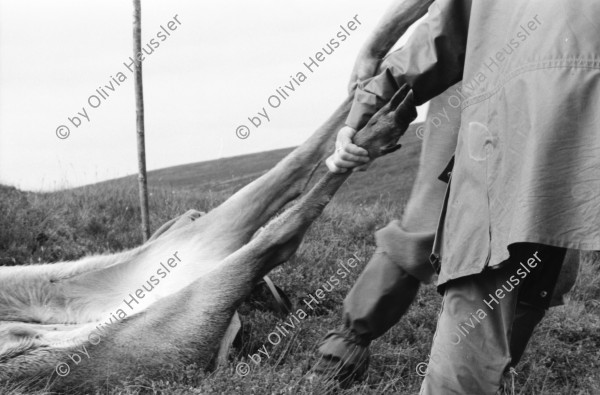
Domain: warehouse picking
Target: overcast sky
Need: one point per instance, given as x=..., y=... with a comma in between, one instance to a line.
x=217, y=68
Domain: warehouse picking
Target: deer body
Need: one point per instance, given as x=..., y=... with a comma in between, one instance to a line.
x=169, y=302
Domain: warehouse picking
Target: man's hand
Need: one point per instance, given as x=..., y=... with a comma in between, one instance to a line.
x=365, y=67
x=347, y=155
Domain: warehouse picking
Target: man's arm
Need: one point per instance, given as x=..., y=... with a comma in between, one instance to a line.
x=394, y=23
x=431, y=62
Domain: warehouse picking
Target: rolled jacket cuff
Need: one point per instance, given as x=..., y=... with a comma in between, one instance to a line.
x=362, y=109
x=370, y=96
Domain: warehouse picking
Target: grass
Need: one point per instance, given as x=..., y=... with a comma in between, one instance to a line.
x=563, y=356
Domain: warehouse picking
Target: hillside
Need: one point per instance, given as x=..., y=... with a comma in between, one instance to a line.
x=389, y=178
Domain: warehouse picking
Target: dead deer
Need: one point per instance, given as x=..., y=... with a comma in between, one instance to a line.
x=50, y=311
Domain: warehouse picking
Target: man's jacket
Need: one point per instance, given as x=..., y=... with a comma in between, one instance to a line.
x=527, y=162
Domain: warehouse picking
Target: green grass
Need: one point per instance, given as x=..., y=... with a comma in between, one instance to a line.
x=563, y=357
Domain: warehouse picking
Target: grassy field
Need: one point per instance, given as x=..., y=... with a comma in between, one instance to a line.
x=563, y=357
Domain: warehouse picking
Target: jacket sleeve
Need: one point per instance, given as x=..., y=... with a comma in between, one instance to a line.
x=430, y=62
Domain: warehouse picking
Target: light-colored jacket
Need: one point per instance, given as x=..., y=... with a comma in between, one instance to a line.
x=527, y=166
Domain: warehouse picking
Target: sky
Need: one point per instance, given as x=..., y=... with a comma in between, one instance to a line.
x=214, y=71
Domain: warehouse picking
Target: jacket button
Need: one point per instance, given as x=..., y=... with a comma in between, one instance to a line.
x=543, y=294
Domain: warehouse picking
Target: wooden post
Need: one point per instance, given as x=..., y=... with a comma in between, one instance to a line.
x=139, y=118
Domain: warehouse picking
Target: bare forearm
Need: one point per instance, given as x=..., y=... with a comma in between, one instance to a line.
x=395, y=22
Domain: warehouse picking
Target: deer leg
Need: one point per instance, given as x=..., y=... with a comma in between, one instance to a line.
x=252, y=206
